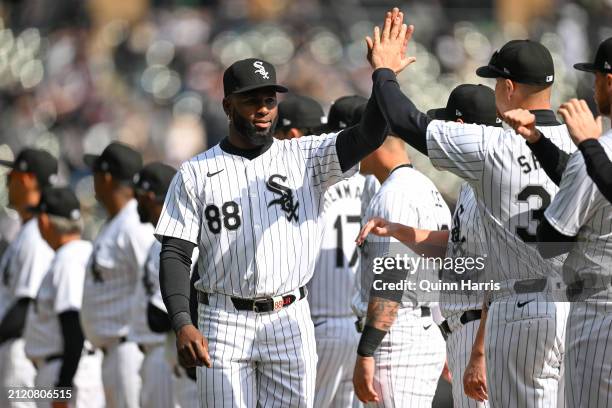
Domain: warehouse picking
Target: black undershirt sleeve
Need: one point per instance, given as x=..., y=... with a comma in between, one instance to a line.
x=402, y=116
x=552, y=159
x=158, y=320
x=174, y=267
x=355, y=143
x=73, y=347
x=598, y=166
x=551, y=242
x=13, y=322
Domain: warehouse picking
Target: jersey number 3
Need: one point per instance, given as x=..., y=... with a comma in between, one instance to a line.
x=534, y=214
x=228, y=216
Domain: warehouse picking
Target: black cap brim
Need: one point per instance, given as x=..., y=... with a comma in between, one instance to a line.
x=439, y=114
x=585, y=66
x=90, y=160
x=277, y=88
x=7, y=163
x=490, y=71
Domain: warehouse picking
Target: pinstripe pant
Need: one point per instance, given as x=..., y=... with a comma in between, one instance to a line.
x=589, y=355
x=337, y=341
x=15, y=371
x=258, y=359
x=524, y=348
x=458, y=350
x=409, y=362
x=156, y=391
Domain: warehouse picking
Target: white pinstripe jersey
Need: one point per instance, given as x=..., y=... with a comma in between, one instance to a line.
x=114, y=268
x=256, y=222
x=466, y=240
x=23, y=265
x=579, y=209
x=370, y=188
x=332, y=286
x=512, y=189
x=60, y=291
x=409, y=198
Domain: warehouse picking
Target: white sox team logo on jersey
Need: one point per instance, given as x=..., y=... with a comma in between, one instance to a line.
x=286, y=202
x=261, y=70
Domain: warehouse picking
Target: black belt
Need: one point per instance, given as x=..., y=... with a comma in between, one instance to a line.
x=122, y=339
x=530, y=285
x=466, y=317
x=360, y=322
x=591, y=284
x=259, y=305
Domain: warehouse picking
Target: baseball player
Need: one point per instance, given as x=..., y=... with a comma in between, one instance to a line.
x=401, y=352
x=151, y=323
x=114, y=270
x=512, y=191
x=54, y=340
x=579, y=221
x=299, y=116
x=22, y=267
x=334, y=273
x=252, y=204
x=460, y=309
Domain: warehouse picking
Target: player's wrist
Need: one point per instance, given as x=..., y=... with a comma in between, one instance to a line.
x=369, y=341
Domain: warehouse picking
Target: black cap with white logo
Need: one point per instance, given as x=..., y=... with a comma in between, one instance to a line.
x=299, y=111
x=118, y=159
x=471, y=104
x=154, y=177
x=522, y=61
x=248, y=75
x=603, y=59
x=59, y=201
x=39, y=162
x=344, y=112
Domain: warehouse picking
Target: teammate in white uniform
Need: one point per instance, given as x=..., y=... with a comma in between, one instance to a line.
x=54, y=340
x=330, y=290
x=252, y=205
x=512, y=192
x=579, y=221
x=151, y=323
x=113, y=272
x=405, y=368
x=22, y=267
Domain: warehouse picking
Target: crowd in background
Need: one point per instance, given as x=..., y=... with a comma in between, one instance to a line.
x=76, y=74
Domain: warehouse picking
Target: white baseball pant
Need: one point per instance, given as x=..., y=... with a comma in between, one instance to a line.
x=121, y=375
x=258, y=359
x=156, y=376
x=16, y=370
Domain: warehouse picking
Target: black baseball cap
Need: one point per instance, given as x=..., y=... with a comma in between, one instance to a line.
x=522, y=61
x=154, y=177
x=603, y=59
x=298, y=111
x=250, y=74
x=39, y=162
x=471, y=104
x=59, y=201
x=344, y=112
x=118, y=159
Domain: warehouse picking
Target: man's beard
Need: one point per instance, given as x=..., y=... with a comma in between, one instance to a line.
x=250, y=132
x=142, y=214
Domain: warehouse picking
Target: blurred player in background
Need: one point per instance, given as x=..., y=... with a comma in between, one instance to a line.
x=23, y=266
x=114, y=270
x=298, y=116
x=54, y=340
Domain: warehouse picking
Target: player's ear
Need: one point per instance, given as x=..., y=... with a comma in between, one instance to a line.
x=294, y=133
x=510, y=88
x=227, y=105
x=459, y=120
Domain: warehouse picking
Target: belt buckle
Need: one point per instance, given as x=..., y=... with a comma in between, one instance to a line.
x=278, y=302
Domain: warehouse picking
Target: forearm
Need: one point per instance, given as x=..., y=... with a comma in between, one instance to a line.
x=478, y=348
x=551, y=242
x=174, y=267
x=381, y=315
x=598, y=166
x=402, y=116
x=552, y=159
x=73, y=347
x=426, y=242
x=13, y=322
x=355, y=143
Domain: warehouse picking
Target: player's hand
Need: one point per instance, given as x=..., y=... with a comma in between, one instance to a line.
x=446, y=373
x=192, y=347
x=363, y=379
x=523, y=122
x=388, y=49
x=475, y=378
x=377, y=226
x=580, y=121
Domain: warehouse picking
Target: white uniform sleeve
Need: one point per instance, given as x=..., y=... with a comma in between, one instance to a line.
x=576, y=200
x=459, y=148
x=34, y=260
x=138, y=242
x=322, y=160
x=180, y=217
x=70, y=280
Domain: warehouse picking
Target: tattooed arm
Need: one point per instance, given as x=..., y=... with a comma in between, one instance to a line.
x=382, y=313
